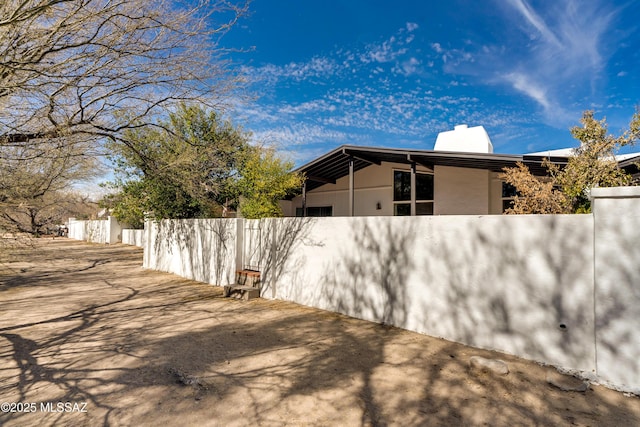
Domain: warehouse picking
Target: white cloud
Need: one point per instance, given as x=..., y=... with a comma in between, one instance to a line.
x=554, y=112
x=386, y=52
x=365, y=98
x=572, y=38
x=408, y=67
x=522, y=83
x=299, y=134
x=253, y=113
x=316, y=106
x=534, y=19
x=554, y=53
x=391, y=49
x=316, y=67
x=412, y=26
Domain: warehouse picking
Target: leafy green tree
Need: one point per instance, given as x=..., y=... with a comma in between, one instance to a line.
x=265, y=180
x=185, y=167
x=127, y=205
x=592, y=164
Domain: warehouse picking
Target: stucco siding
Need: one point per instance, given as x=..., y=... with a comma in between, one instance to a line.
x=461, y=191
x=617, y=274
x=373, y=186
x=457, y=191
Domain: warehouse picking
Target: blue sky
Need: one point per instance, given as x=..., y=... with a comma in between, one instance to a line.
x=396, y=73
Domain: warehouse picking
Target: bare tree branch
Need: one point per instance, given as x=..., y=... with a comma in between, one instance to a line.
x=89, y=67
x=74, y=73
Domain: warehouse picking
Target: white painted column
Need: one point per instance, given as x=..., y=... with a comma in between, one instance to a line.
x=239, y=244
x=616, y=214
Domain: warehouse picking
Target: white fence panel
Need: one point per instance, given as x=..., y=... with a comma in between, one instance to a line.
x=95, y=231
x=133, y=237
x=198, y=249
x=559, y=289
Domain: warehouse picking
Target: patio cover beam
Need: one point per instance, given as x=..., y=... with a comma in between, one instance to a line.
x=323, y=180
x=362, y=156
x=351, y=185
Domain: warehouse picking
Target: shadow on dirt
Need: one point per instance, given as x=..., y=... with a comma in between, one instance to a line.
x=146, y=338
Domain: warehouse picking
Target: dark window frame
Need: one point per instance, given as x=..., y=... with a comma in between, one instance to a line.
x=402, y=187
x=316, y=211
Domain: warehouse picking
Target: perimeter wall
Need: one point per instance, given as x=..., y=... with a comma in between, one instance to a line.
x=96, y=231
x=558, y=289
x=133, y=237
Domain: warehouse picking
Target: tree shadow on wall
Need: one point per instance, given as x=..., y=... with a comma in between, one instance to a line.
x=187, y=351
x=369, y=282
x=205, y=247
x=617, y=294
x=370, y=279
x=526, y=287
x=515, y=284
x=275, y=245
x=491, y=282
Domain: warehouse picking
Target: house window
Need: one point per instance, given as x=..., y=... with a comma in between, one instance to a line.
x=508, y=193
x=316, y=211
x=402, y=193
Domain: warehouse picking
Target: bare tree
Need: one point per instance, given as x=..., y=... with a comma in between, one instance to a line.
x=94, y=68
x=35, y=194
x=76, y=72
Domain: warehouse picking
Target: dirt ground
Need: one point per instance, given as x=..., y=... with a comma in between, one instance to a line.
x=88, y=337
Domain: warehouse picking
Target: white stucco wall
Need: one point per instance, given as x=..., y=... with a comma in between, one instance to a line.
x=95, y=231
x=114, y=230
x=461, y=191
x=559, y=289
x=198, y=249
x=76, y=229
x=457, y=191
x=133, y=237
x=617, y=273
x=514, y=284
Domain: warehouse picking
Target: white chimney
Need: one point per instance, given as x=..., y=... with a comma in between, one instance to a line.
x=464, y=139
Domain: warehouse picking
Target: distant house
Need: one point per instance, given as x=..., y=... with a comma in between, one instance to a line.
x=460, y=176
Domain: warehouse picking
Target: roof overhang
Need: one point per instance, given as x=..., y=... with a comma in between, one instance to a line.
x=631, y=165
x=335, y=164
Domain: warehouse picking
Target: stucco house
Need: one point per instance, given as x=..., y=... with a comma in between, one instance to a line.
x=460, y=176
